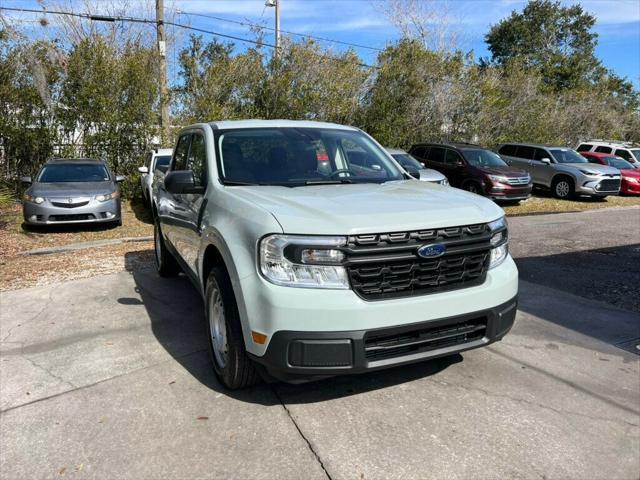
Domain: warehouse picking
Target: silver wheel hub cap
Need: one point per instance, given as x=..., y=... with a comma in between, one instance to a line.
x=218, y=328
x=562, y=189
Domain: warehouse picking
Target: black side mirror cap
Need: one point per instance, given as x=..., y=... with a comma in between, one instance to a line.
x=26, y=180
x=181, y=181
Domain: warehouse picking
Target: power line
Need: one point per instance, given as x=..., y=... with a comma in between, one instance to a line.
x=264, y=27
x=109, y=18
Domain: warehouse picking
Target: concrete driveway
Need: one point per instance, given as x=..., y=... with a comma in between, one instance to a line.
x=108, y=377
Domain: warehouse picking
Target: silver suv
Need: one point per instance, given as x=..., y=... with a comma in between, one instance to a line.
x=318, y=255
x=564, y=171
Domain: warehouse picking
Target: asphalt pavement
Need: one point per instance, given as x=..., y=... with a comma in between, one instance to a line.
x=108, y=377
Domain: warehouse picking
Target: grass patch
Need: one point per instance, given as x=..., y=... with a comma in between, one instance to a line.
x=543, y=203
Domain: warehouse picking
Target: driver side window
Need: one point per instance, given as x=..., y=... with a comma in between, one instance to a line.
x=180, y=154
x=452, y=158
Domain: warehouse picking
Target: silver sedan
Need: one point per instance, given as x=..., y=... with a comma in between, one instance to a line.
x=68, y=191
x=413, y=166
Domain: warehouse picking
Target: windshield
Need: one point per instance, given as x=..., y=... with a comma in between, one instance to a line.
x=301, y=156
x=565, y=155
x=162, y=161
x=80, y=172
x=483, y=158
x=407, y=161
x=636, y=153
x=619, y=163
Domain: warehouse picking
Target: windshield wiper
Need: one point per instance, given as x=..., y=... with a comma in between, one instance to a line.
x=329, y=182
x=234, y=183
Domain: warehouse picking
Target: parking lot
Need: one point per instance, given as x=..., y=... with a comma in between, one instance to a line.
x=109, y=377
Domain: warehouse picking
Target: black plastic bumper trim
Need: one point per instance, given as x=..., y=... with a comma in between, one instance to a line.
x=346, y=353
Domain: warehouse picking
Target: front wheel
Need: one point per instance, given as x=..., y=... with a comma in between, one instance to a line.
x=562, y=188
x=226, y=344
x=473, y=187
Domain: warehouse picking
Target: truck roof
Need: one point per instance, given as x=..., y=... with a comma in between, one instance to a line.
x=231, y=124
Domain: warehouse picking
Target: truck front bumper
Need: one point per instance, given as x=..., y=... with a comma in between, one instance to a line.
x=298, y=355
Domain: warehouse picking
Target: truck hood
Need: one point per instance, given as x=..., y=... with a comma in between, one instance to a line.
x=369, y=208
x=71, y=189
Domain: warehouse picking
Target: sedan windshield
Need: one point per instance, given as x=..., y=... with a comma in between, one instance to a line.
x=301, y=156
x=73, y=172
x=483, y=158
x=407, y=161
x=565, y=155
x=619, y=163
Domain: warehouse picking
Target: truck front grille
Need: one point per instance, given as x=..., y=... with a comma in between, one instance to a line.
x=384, y=266
x=381, y=345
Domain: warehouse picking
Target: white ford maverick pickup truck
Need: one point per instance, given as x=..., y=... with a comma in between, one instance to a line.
x=317, y=254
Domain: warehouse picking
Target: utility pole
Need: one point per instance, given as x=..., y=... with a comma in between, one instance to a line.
x=162, y=51
x=276, y=4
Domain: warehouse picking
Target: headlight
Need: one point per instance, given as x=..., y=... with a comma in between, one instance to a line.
x=30, y=198
x=498, y=178
x=589, y=172
x=107, y=196
x=303, y=261
x=499, y=242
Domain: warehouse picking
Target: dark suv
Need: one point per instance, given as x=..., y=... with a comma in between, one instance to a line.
x=475, y=169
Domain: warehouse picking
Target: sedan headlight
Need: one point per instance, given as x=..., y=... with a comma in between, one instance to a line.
x=589, y=172
x=107, y=196
x=303, y=261
x=498, y=179
x=31, y=198
x=499, y=242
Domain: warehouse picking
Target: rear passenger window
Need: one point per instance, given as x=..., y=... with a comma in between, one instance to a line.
x=584, y=147
x=180, y=155
x=452, y=157
x=525, y=152
x=509, y=150
x=540, y=153
x=436, y=154
x=624, y=154
x=602, y=149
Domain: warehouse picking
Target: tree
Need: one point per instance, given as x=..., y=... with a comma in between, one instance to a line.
x=551, y=38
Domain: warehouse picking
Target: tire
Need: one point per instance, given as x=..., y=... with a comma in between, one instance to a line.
x=230, y=361
x=563, y=188
x=166, y=264
x=473, y=187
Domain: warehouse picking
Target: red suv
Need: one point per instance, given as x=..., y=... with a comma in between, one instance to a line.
x=475, y=169
x=630, y=175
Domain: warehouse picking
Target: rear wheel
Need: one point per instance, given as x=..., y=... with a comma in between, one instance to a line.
x=166, y=264
x=562, y=187
x=226, y=344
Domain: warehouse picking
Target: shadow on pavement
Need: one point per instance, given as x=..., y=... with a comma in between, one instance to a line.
x=141, y=211
x=176, y=313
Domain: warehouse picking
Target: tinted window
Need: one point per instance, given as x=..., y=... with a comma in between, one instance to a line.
x=180, y=154
x=602, y=149
x=436, y=154
x=584, y=147
x=483, y=158
x=452, y=157
x=407, y=161
x=197, y=160
x=420, y=152
x=509, y=150
x=540, y=153
x=624, y=154
x=67, y=172
x=525, y=152
x=162, y=161
x=619, y=163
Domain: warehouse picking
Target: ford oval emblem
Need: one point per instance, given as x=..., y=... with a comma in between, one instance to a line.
x=432, y=251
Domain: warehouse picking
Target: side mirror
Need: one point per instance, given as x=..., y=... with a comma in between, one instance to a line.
x=162, y=168
x=143, y=169
x=414, y=172
x=423, y=165
x=120, y=178
x=546, y=161
x=181, y=181
x=26, y=180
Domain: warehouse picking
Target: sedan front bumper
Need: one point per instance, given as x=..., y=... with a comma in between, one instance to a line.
x=94, y=211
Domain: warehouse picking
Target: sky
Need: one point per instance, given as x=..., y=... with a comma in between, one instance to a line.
x=364, y=22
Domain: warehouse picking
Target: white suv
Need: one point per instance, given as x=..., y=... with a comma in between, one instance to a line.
x=155, y=160
x=620, y=149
